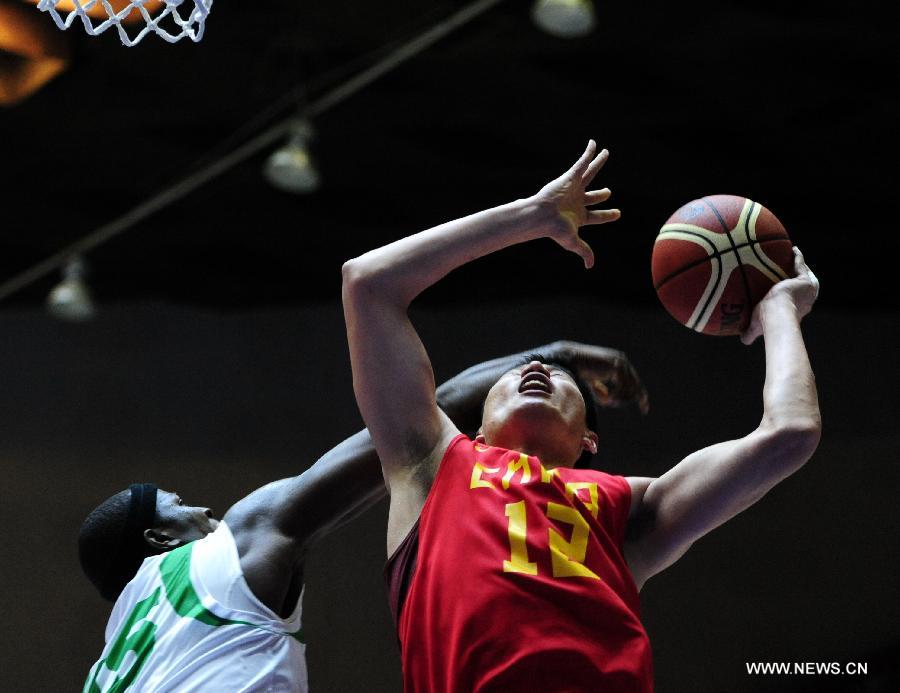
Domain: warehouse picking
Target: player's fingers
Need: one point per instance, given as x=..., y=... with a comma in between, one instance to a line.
x=579, y=167
x=800, y=266
x=644, y=401
x=637, y=393
x=802, y=270
x=594, y=167
x=814, y=280
x=637, y=390
x=601, y=391
x=749, y=335
x=602, y=216
x=577, y=245
x=594, y=197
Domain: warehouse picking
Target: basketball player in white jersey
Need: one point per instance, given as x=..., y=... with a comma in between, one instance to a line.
x=211, y=605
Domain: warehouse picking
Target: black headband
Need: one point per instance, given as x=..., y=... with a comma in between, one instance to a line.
x=131, y=549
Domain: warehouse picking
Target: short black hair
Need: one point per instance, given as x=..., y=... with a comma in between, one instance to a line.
x=590, y=404
x=99, y=546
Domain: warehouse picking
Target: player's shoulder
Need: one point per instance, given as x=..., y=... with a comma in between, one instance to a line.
x=595, y=476
x=614, y=487
x=145, y=580
x=254, y=510
x=452, y=441
x=456, y=448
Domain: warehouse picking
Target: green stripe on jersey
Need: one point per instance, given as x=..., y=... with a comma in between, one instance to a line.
x=175, y=570
x=137, y=633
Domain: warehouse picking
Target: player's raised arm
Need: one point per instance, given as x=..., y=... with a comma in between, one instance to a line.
x=392, y=375
x=713, y=485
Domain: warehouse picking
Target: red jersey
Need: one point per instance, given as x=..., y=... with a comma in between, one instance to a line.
x=519, y=582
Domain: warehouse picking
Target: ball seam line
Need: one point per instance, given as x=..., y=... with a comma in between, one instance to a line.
x=737, y=255
x=761, y=258
x=701, y=261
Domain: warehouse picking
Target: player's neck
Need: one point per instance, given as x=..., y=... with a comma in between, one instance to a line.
x=550, y=455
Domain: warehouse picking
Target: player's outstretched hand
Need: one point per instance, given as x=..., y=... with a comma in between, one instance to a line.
x=801, y=290
x=614, y=382
x=565, y=201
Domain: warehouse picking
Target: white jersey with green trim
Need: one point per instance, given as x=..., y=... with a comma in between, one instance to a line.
x=189, y=622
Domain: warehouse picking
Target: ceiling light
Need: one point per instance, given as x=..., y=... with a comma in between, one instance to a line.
x=564, y=18
x=71, y=298
x=291, y=168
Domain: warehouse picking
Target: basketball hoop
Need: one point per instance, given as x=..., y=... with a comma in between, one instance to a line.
x=171, y=23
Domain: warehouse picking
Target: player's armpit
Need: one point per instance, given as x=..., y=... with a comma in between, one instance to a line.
x=274, y=525
x=392, y=375
x=708, y=488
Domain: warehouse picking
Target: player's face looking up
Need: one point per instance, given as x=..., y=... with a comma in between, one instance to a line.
x=538, y=409
x=180, y=521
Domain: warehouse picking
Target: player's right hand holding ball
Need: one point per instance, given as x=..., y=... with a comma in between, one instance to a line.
x=798, y=292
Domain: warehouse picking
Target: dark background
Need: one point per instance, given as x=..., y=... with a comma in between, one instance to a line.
x=218, y=361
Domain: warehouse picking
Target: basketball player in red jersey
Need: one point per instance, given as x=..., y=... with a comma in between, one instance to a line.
x=251, y=577
x=516, y=571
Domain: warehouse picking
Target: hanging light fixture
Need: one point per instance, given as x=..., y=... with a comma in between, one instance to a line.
x=71, y=299
x=291, y=168
x=564, y=18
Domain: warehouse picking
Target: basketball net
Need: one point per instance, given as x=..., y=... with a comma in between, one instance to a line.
x=99, y=15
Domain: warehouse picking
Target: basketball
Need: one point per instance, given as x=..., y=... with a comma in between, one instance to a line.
x=715, y=258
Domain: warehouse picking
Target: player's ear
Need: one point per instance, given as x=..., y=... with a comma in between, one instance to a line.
x=161, y=541
x=589, y=441
x=479, y=437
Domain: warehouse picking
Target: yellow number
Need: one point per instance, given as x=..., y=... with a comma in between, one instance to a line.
x=567, y=557
x=572, y=489
x=518, y=550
